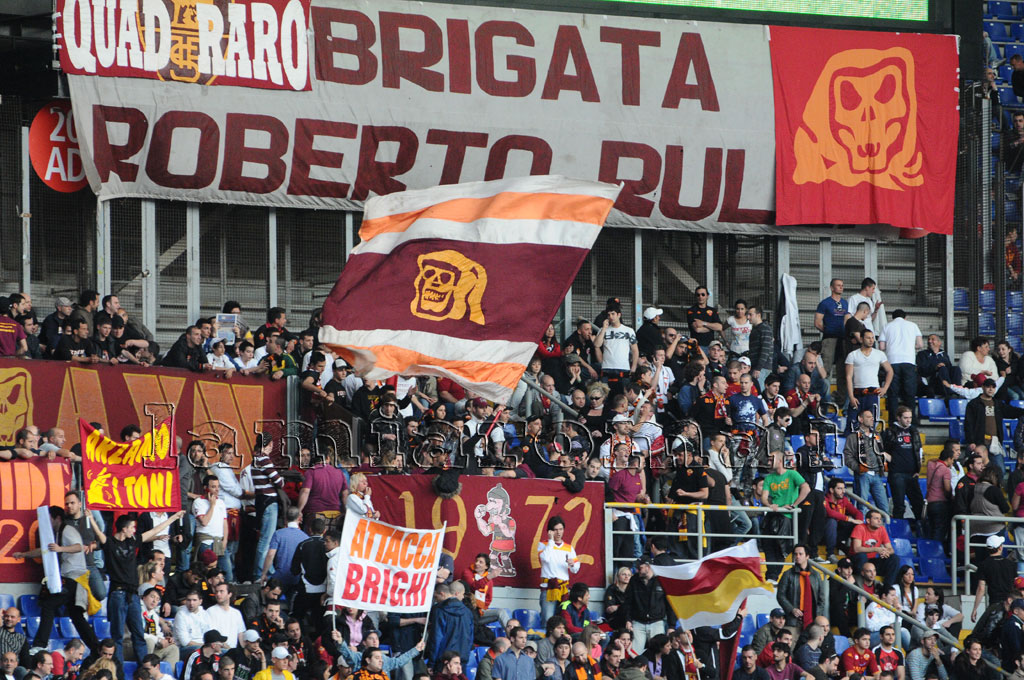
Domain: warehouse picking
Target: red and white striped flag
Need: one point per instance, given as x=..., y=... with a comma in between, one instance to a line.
x=460, y=281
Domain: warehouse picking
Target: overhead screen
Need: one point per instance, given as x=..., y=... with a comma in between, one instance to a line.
x=884, y=10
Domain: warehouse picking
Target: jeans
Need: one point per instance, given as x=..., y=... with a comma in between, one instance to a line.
x=938, y=520
x=547, y=608
x=867, y=402
x=905, y=485
x=741, y=523
x=837, y=533
x=872, y=489
x=642, y=632
x=266, y=511
x=96, y=584
x=185, y=547
x=125, y=607
x=904, y=388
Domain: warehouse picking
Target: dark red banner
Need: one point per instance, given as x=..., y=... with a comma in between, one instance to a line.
x=866, y=127
x=24, y=486
x=56, y=394
x=524, y=506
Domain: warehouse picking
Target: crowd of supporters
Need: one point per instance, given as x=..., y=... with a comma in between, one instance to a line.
x=707, y=414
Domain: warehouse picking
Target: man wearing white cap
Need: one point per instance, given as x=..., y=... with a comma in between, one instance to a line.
x=648, y=336
x=279, y=666
x=249, y=658
x=343, y=384
x=995, y=576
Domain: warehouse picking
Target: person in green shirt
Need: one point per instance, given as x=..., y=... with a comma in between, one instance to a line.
x=784, y=489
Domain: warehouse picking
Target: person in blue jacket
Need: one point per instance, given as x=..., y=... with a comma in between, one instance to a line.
x=451, y=626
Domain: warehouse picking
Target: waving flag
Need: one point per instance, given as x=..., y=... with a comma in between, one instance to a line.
x=710, y=591
x=460, y=281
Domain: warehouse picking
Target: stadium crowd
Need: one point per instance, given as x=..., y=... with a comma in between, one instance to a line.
x=238, y=584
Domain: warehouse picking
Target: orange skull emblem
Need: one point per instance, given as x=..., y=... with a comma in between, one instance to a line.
x=15, y=403
x=449, y=285
x=860, y=123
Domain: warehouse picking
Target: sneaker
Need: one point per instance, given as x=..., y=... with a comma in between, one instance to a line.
x=833, y=558
x=819, y=559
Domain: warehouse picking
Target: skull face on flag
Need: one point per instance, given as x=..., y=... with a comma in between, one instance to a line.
x=449, y=285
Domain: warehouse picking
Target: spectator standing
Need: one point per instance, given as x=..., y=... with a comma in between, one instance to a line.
x=864, y=456
x=283, y=549
x=120, y=551
x=211, y=519
x=738, y=330
x=358, y=501
x=266, y=481
x=557, y=561
x=187, y=352
x=862, y=369
x=841, y=517
x=900, y=341
x=231, y=495
x=940, y=494
x=703, y=319
x=53, y=324
x=645, y=605
x=802, y=592
x=983, y=421
x=616, y=345
x=830, y=318
x=649, y=336
x=866, y=295
x=451, y=626
x=762, y=346
x=784, y=489
x=902, y=442
x=88, y=303
x=324, y=492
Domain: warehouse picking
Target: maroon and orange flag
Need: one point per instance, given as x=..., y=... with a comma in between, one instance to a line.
x=866, y=127
x=460, y=281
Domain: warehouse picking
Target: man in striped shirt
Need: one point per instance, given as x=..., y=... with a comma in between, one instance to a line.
x=266, y=481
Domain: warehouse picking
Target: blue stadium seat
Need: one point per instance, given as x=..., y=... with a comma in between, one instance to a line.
x=796, y=441
x=986, y=323
x=844, y=474
x=995, y=142
x=958, y=408
x=166, y=668
x=902, y=547
x=1007, y=97
x=956, y=430
x=1000, y=9
x=66, y=628
x=1017, y=32
x=932, y=409
x=1011, y=211
x=842, y=644
x=1005, y=72
x=495, y=627
x=31, y=626
x=29, y=605
x=471, y=672
x=761, y=620
x=749, y=624
x=934, y=570
x=129, y=668
x=6, y=600
x=101, y=625
x=746, y=637
x=55, y=644
x=923, y=483
x=930, y=549
x=1010, y=49
x=1014, y=300
x=478, y=653
x=987, y=300
x=997, y=31
x=960, y=301
x=1014, y=323
x=528, y=619
x=1016, y=343
x=900, y=528
x=178, y=668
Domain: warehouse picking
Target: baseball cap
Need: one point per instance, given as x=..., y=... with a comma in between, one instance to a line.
x=207, y=557
x=644, y=559
x=929, y=633
x=777, y=613
x=989, y=382
x=715, y=343
x=1018, y=583
x=844, y=563
x=620, y=418
x=745, y=361
x=211, y=636
x=280, y=653
x=652, y=312
x=612, y=301
x=62, y=302
x=575, y=359
x=479, y=402
x=532, y=645
x=994, y=542
x=250, y=636
x=340, y=363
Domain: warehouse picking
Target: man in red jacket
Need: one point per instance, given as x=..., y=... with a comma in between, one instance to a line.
x=841, y=517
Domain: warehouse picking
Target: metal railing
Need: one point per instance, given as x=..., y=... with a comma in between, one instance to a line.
x=701, y=534
x=870, y=506
x=901, y=615
x=967, y=519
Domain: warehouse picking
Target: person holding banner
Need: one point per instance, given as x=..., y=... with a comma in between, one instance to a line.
x=74, y=591
x=121, y=550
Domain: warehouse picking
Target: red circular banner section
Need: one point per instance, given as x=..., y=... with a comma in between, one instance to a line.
x=53, y=148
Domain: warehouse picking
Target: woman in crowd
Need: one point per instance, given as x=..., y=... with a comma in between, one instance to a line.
x=592, y=637
x=658, y=649
x=549, y=349
x=449, y=667
x=359, y=498
x=907, y=588
x=737, y=333
x=1007, y=363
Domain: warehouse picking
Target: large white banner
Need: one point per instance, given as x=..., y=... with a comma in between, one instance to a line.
x=412, y=95
x=384, y=567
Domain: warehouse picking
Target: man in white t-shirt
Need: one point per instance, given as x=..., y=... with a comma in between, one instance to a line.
x=862, y=367
x=211, y=518
x=617, y=346
x=867, y=290
x=901, y=341
x=224, y=618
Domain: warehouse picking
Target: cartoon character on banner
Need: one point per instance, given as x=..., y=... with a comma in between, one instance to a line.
x=494, y=519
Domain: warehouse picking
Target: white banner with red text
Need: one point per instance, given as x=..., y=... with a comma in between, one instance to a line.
x=383, y=567
x=413, y=95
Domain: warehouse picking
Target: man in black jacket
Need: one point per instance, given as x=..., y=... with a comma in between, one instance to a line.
x=646, y=606
x=310, y=564
x=983, y=423
x=706, y=639
x=933, y=367
x=762, y=346
x=188, y=352
x=902, y=442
